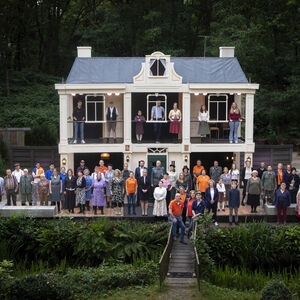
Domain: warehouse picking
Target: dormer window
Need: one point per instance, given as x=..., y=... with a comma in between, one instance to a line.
x=157, y=67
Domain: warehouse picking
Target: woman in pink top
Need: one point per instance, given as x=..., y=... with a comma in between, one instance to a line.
x=167, y=183
x=234, y=121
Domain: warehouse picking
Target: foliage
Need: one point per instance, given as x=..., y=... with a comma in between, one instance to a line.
x=264, y=245
x=80, y=242
x=276, y=290
x=5, y=277
x=265, y=34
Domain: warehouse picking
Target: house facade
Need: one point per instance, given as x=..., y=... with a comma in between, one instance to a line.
x=137, y=83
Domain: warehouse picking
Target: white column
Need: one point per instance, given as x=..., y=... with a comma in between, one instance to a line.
x=70, y=116
x=127, y=118
x=69, y=157
x=238, y=101
x=63, y=118
x=249, y=118
x=186, y=119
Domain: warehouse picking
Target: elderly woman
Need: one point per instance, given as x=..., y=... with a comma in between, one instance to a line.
x=211, y=199
x=55, y=189
x=80, y=191
x=98, y=199
x=253, y=191
x=43, y=190
x=88, y=191
x=116, y=191
x=109, y=174
x=282, y=202
x=160, y=194
x=69, y=191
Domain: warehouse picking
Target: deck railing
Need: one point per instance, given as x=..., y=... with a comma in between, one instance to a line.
x=165, y=258
x=197, y=264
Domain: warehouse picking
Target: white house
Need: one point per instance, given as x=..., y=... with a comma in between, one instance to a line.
x=134, y=83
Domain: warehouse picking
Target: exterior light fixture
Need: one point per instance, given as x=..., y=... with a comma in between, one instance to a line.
x=105, y=155
x=196, y=94
x=239, y=94
x=127, y=158
x=186, y=158
x=64, y=161
x=117, y=94
x=227, y=157
x=109, y=94
x=73, y=94
x=204, y=94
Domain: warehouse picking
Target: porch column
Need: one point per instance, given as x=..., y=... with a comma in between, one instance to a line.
x=186, y=119
x=127, y=118
x=249, y=118
x=63, y=118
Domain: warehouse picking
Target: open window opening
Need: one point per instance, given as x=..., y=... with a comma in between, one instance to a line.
x=154, y=113
x=157, y=67
x=218, y=107
x=95, y=108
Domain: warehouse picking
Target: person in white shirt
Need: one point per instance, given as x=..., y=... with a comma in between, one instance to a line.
x=18, y=172
x=160, y=194
x=222, y=194
x=234, y=173
x=203, y=118
x=111, y=119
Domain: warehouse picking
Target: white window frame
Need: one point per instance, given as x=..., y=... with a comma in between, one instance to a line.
x=154, y=102
x=158, y=76
x=218, y=102
x=95, y=102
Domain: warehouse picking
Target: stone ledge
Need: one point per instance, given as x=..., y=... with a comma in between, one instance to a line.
x=28, y=211
x=271, y=210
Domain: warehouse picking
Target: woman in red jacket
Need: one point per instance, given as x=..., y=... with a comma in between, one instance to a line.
x=234, y=121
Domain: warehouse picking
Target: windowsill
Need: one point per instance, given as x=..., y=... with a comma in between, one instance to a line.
x=158, y=76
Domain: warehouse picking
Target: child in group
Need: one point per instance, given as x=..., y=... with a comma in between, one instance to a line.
x=222, y=194
x=139, y=126
x=234, y=203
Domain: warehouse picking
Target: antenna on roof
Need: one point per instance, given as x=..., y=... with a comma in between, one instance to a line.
x=205, y=38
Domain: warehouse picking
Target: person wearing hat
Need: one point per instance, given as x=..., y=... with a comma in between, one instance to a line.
x=293, y=184
x=111, y=120
x=18, y=172
x=26, y=187
x=79, y=118
x=253, y=191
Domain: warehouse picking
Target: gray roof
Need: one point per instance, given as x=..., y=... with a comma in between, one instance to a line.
x=123, y=69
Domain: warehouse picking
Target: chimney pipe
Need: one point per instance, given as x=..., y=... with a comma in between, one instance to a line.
x=84, y=51
x=226, y=51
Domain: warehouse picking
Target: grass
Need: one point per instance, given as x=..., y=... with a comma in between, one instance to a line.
x=153, y=292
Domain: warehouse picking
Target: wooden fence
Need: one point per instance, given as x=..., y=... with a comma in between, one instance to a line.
x=28, y=156
x=197, y=263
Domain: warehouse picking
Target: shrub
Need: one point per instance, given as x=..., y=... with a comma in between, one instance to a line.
x=5, y=277
x=39, y=287
x=276, y=290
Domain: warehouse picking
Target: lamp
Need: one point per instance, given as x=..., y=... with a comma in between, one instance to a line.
x=105, y=155
x=64, y=161
x=117, y=94
x=127, y=158
x=239, y=94
x=109, y=94
x=186, y=158
x=196, y=94
x=73, y=94
x=227, y=157
x=204, y=94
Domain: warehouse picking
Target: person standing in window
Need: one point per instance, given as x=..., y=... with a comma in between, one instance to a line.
x=79, y=118
x=203, y=118
x=234, y=121
x=111, y=121
x=157, y=114
x=175, y=119
x=139, y=126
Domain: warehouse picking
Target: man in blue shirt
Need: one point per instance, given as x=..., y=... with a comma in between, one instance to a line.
x=49, y=173
x=157, y=114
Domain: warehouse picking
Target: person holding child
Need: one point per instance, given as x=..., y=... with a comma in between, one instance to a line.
x=234, y=203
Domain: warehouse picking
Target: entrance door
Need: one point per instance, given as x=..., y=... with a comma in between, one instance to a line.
x=152, y=161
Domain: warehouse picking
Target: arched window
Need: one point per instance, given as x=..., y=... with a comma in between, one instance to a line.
x=157, y=67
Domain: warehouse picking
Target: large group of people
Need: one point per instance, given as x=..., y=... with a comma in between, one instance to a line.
x=158, y=117
x=172, y=191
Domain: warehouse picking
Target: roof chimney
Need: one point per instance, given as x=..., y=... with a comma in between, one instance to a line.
x=84, y=51
x=226, y=51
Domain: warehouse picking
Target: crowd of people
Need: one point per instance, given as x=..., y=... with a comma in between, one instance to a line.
x=180, y=195
x=158, y=117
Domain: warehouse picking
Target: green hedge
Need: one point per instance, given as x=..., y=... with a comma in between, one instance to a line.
x=80, y=242
x=79, y=283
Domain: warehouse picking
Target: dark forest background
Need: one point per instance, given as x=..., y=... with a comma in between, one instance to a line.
x=38, y=41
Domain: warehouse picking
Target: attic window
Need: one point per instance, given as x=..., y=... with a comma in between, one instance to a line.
x=157, y=67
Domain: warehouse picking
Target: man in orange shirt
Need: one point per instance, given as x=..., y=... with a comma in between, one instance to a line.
x=184, y=198
x=175, y=209
x=197, y=170
x=202, y=182
x=102, y=168
x=131, y=189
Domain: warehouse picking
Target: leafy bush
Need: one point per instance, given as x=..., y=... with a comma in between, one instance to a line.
x=5, y=277
x=269, y=247
x=276, y=290
x=39, y=287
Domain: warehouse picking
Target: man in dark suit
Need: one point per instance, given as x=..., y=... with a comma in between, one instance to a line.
x=144, y=187
x=138, y=174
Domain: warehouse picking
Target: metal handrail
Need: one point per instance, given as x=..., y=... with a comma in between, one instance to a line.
x=197, y=263
x=165, y=258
